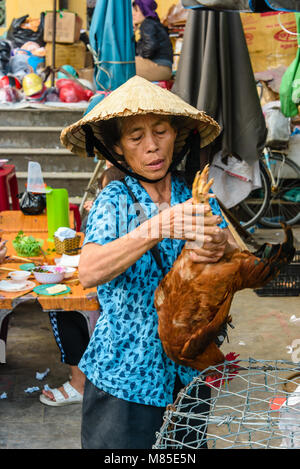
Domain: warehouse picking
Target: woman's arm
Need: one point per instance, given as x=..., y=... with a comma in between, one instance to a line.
x=101, y=263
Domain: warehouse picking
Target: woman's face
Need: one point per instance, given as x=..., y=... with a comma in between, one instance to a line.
x=147, y=144
x=137, y=15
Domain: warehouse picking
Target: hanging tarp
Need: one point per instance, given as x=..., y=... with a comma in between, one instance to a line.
x=112, y=40
x=290, y=83
x=215, y=75
x=251, y=6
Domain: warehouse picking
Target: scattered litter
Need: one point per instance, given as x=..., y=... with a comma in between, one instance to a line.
x=294, y=319
x=3, y=395
x=41, y=376
x=289, y=349
x=47, y=388
x=242, y=343
x=33, y=389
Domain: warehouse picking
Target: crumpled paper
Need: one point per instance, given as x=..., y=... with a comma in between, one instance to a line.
x=41, y=376
x=31, y=390
x=63, y=233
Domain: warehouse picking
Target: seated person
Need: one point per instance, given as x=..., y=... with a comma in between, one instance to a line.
x=154, y=52
x=3, y=251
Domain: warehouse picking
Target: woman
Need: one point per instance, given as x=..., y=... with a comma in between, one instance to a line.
x=130, y=380
x=71, y=332
x=154, y=52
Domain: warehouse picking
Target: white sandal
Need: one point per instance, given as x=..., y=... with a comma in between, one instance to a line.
x=74, y=397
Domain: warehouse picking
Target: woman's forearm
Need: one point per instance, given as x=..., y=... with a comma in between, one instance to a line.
x=101, y=263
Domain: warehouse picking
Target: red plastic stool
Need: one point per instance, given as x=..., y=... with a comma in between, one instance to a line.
x=8, y=186
x=167, y=84
x=77, y=216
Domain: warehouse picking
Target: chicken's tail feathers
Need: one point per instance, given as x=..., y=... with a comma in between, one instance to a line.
x=264, y=264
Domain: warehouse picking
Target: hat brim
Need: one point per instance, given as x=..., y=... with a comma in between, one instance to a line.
x=139, y=97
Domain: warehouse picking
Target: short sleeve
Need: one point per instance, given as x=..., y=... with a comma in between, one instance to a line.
x=103, y=219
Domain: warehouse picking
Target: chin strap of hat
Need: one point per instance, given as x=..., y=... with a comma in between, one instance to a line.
x=91, y=142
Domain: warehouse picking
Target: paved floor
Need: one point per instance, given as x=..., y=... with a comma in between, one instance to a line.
x=263, y=330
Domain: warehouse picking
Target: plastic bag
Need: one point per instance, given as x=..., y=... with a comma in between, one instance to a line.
x=278, y=126
x=72, y=92
x=32, y=204
x=19, y=67
x=5, y=52
x=10, y=95
x=19, y=36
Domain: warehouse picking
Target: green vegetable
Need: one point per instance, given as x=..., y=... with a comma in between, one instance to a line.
x=27, y=246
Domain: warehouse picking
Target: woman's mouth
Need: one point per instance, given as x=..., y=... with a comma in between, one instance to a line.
x=156, y=164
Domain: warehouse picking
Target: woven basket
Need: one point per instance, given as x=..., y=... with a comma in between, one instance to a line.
x=68, y=246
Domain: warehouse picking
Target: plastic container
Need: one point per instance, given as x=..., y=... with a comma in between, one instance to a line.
x=35, y=181
x=49, y=277
x=289, y=422
x=57, y=204
x=69, y=272
x=19, y=276
x=287, y=282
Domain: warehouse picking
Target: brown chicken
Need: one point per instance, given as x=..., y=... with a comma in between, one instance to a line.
x=194, y=299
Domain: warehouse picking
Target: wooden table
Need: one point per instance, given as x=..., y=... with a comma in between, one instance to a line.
x=85, y=301
x=12, y=221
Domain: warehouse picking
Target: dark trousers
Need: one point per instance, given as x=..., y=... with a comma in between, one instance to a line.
x=71, y=334
x=112, y=423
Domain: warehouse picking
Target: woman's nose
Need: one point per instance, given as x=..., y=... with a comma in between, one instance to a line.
x=150, y=142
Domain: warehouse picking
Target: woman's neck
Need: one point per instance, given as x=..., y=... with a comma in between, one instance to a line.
x=159, y=192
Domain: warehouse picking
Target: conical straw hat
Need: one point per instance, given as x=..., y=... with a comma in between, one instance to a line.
x=140, y=96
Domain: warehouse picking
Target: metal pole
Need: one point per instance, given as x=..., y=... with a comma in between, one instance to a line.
x=53, y=42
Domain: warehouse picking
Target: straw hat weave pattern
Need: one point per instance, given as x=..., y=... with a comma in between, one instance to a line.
x=138, y=96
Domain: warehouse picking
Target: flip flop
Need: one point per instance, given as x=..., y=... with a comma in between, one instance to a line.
x=74, y=397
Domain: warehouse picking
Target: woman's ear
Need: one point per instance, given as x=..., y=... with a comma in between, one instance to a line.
x=118, y=150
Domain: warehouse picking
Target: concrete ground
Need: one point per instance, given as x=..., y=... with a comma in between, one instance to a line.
x=263, y=330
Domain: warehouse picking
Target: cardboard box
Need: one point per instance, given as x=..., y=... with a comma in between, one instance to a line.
x=269, y=45
x=66, y=54
x=68, y=26
x=86, y=74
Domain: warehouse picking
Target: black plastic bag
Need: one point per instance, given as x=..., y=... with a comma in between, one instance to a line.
x=18, y=36
x=32, y=204
x=5, y=52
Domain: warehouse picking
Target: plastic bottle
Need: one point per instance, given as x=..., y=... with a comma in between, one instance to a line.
x=289, y=422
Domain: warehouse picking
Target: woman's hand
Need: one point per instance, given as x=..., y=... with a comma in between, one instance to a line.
x=187, y=221
x=212, y=251
x=88, y=205
x=3, y=251
x=205, y=240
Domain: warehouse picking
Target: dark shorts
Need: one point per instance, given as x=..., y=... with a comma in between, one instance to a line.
x=112, y=423
x=71, y=334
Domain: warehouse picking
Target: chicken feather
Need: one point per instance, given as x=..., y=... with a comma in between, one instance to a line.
x=193, y=300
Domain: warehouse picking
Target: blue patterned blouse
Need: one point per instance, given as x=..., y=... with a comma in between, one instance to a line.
x=125, y=357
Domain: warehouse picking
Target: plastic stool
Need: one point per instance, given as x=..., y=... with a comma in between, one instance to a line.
x=8, y=186
x=77, y=216
x=167, y=84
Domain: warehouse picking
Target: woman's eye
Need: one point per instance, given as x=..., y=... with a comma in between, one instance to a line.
x=136, y=139
x=160, y=132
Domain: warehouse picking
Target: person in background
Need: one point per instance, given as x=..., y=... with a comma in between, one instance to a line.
x=154, y=52
x=3, y=251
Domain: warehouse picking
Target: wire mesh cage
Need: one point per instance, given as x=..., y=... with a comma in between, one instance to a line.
x=249, y=404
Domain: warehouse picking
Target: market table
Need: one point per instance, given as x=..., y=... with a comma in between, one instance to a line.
x=15, y=220
x=84, y=301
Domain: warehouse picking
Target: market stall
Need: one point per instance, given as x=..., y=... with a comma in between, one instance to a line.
x=13, y=291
